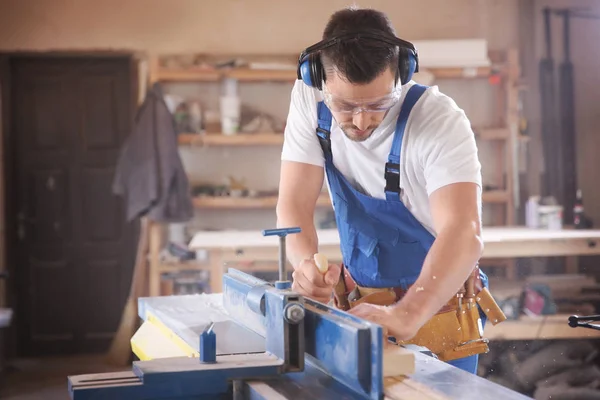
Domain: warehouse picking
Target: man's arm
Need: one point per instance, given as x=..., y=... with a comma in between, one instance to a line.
x=455, y=211
x=299, y=188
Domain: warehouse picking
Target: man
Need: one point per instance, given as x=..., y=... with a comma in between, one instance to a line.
x=405, y=180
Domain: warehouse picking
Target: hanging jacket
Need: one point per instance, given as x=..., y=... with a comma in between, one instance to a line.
x=150, y=173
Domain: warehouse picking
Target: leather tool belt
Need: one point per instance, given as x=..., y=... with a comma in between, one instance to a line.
x=454, y=332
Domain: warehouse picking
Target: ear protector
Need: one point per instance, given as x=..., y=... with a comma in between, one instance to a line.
x=311, y=72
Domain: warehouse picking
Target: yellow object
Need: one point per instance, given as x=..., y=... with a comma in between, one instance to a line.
x=154, y=340
x=321, y=262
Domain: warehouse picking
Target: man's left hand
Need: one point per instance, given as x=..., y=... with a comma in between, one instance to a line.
x=390, y=318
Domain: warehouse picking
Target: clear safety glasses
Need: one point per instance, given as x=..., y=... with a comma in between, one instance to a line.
x=374, y=105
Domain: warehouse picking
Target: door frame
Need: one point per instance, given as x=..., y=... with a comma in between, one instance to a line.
x=8, y=221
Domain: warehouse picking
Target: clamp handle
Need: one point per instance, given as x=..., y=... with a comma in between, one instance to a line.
x=283, y=283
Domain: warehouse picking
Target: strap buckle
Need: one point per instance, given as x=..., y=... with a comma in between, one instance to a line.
x=392, y=177
x=324, y=140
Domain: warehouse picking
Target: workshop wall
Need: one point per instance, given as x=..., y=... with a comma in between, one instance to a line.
x=234, y=26
x=238, y=27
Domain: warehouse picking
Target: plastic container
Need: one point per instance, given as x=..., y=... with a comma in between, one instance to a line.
x=551, y=217
x=230, y=114
x=231, y=107
x=532, y=213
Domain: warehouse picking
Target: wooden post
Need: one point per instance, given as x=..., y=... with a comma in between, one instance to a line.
x=154, y=270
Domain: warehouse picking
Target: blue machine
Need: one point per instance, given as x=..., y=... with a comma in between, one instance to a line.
x=259, y=340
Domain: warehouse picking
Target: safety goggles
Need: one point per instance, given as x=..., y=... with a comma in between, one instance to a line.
x=374, y=105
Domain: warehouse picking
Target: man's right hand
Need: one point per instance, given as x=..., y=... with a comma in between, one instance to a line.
x=310, y=282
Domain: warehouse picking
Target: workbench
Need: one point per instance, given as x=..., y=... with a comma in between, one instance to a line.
x=246, y=249
x=224, y=247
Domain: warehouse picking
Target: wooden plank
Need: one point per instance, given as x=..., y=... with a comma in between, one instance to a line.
x=398, y=361
x=404, y=388
x=532, y=328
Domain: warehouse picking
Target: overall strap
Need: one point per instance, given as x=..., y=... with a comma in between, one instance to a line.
x=392, y=167
x=324, y=129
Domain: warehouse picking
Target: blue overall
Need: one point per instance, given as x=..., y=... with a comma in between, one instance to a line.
x=382, y=243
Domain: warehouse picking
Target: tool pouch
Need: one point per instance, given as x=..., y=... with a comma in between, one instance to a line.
x=456, y=331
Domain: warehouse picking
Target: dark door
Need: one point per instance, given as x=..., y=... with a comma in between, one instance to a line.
x=74, y=250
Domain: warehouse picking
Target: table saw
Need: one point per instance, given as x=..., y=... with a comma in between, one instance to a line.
x=261, y=340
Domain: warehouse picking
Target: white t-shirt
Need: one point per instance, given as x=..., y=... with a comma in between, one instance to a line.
x=438, y=147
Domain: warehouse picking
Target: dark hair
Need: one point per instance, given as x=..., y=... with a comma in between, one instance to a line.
x=358, y=61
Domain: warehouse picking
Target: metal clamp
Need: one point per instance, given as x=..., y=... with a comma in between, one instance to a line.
x=283, y=282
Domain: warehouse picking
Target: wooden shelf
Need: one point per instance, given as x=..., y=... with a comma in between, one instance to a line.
x=494, y=196
x=495, y=134
x=240, y=139
x=188, y=75
x=544, y=327
x=286, y=75
x=257, y=75
x=182, y=266
x=225, y=202
x=461, y=73
x=241, y=74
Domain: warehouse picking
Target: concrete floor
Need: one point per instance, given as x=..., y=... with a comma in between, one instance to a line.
x=46, y=378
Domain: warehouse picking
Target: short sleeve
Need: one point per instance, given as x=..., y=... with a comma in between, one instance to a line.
x=449, y=150
x=300, y=139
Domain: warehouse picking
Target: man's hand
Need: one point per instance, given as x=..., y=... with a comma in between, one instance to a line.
x=310, y=282
x=399, y=326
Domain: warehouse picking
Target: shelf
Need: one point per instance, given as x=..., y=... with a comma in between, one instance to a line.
x=167, y=267
x=225, y=202
x=495, y=196
x=544, y=327
x=185, y=75
x=210, y=75
x=240, y=139
x=461, y=73
x=496, y=134
x=289, y=75
x=257, y=75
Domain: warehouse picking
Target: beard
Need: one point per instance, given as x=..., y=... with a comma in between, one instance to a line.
x=355, y=134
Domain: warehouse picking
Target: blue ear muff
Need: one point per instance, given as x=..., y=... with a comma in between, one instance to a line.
x=305, y=70
x=310, y=70
x=411, y=66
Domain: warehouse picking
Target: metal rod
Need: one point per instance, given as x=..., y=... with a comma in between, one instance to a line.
x=282, y=258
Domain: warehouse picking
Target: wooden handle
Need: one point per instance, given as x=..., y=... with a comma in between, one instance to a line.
x=321, y=262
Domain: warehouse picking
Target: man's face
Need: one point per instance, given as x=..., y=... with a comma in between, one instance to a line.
x=359, y=109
